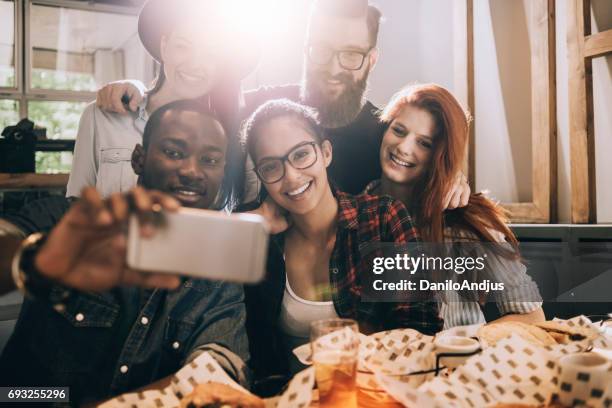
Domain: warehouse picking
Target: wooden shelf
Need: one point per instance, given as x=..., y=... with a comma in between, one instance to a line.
x=32, y=181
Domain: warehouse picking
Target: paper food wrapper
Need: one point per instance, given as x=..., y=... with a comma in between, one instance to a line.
x=598, y=336
x=511, y=371
x=401, y=362
x=392, y=341
x=299, y=391
x=205, y=369
x=464, y=331
x=147, y=399
x=396, y=353
x=367, y=346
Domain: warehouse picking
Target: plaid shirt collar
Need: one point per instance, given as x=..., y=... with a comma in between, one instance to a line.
x=347, y=218
x=347, y=211
x=361, y=220
x=372, y=185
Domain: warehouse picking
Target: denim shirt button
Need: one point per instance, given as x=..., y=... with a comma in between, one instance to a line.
x=144, y=320
x=79, y=317
x=176, y=345
x=123, y=369
x=334, y=270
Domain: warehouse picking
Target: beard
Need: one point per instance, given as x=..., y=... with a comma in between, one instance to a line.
x=339, y=111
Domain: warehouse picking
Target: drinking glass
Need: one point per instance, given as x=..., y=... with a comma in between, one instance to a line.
x=335, y=349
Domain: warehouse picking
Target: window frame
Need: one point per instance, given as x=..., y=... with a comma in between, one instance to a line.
x=16, y=92
x=542, y=209
x=23, y=91
x=583, y=46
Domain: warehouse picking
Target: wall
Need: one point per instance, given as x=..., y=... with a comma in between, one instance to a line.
x=416, y=45
x=281, y=61
x=137, y=62
x=502, y=73
x=412, y=49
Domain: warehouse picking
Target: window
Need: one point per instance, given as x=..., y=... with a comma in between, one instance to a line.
x=60, y=118
x=9, y=112
x=7, y=44
x=69, y=49
x=53, y=162
x=81, y=50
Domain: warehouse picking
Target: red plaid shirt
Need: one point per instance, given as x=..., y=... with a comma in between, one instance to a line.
x=365, y=220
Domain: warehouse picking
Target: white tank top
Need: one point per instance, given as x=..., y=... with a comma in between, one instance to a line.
x=297, y=314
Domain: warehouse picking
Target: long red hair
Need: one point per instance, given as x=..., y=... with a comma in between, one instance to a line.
x=481, y=216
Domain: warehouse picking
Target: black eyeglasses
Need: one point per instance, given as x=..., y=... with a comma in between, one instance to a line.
x=300, y=157
x=348, y=59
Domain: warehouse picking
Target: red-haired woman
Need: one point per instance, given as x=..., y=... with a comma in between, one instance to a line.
x=422, y=150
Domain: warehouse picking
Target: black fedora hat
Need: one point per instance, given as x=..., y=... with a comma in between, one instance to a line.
x=158, y=17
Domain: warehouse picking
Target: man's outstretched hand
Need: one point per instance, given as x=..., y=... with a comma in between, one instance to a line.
x=87, y=249
x=120, y=96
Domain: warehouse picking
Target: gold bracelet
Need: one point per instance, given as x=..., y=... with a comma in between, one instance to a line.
x=19, y=276
x=10, y=230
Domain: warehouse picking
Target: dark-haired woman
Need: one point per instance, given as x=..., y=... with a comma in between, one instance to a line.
x=199, y=59
x=422, y=149
x=316, y=268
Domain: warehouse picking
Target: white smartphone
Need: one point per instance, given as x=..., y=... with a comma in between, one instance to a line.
x=203, y=244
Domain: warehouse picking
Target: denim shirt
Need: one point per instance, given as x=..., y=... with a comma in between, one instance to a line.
x=79, y=343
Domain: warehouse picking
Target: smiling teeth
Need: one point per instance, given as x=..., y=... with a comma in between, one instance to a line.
x=401, y=163
x=299, y=190
x=187, y=193
x=191, y=78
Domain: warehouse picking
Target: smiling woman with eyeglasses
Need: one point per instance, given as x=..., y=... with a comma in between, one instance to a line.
x=272, y=169
x=315, y=266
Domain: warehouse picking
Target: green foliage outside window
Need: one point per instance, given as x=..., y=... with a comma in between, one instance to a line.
x=9, y=113
x=7, y=77
x=53, y=162
x=60, y=118
x=62, y=80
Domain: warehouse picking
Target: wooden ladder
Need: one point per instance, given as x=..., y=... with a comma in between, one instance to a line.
x=583, y=46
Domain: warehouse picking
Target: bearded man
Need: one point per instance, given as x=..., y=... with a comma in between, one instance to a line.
x=340, y=53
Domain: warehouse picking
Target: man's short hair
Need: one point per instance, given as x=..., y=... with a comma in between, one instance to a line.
x=353, y=9
x=232, y=187
x=184, y=105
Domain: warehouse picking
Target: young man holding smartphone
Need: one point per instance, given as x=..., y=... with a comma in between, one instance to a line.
x=123, y=338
